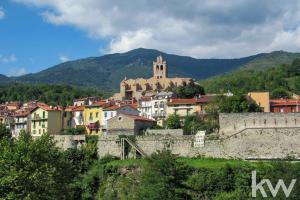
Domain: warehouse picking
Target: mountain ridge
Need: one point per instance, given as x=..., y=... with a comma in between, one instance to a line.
x=106, y=72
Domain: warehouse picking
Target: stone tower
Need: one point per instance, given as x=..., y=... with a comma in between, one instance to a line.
x=160, y=69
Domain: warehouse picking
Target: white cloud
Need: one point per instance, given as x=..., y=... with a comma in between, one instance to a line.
x=208, y=28
x=63, y=58
x=15, y=71
x=8, y=59
x=2, y=13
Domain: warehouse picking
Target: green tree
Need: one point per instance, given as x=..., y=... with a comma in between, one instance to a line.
x=163, y=178
x=189, y=90
x=192, y=123
x=34, y=169
x=236, y=104
x=280, y=93
x=4, y=132
x=173, y=122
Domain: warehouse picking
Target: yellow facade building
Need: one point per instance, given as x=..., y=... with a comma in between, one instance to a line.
x=46, y=119
x=93, y=118
x=262, y=99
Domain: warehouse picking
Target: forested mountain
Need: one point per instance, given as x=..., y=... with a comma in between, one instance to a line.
x=107, y=71
x=51, y=94
x=280, y=81
x=4, y=79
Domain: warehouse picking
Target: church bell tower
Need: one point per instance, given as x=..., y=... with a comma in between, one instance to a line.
x=160, y=69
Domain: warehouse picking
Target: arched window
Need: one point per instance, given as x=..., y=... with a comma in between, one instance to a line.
x=157, y=67
x=161, y=67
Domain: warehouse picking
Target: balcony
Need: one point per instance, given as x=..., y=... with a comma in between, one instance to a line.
x=161, y=114
x=37, y=118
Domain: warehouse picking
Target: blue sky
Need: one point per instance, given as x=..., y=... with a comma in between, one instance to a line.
x=29, y=44
x=37, y=34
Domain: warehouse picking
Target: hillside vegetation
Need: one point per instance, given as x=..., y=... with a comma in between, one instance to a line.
x=277, y=80
x=107, y=71
x=36, y=169
x=51, y=94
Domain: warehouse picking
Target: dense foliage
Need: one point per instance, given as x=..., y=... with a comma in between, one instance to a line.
x=173, y=122
x=236, y=104
x=36, y=169
x=189, y=90
x=75, y=131
x=50, y=94
x=277, y=80
x=164, y=176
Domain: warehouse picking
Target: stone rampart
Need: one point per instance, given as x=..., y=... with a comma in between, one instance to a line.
x=69, y=141
x=233, y=123
x=174, y=132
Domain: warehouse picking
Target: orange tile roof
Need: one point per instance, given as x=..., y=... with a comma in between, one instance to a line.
x=284, y=102
x=202, y=99
x=139, y=118
x=69, y=108
x=49, y=108
x=21, y=114
x=182, y=101
x=115, y=107
x=99, y=103
x=78, y=108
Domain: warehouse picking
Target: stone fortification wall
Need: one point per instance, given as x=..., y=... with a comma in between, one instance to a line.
x=233, y=123
x=175, y=132
x=69, y=141
x=267, y=143
x=180, y=145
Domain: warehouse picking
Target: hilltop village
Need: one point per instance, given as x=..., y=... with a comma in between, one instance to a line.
x=147, y=108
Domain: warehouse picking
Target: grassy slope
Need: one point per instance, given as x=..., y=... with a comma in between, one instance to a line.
x=208, y=163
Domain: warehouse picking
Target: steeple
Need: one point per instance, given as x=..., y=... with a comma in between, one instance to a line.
x=160, y=69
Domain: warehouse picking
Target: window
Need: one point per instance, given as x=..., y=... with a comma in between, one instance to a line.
x=44, y=114
x=161, y=67
x=105, y=114
x=111, y=114
x=39, y=131
x=34, y=132
x=91, y=116
x=97, y=114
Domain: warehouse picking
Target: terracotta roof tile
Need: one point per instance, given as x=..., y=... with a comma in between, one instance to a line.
x=78, y=108
x=284, y=102
x=139, y=118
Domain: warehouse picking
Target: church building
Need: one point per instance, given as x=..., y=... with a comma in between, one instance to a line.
x=134, y=88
